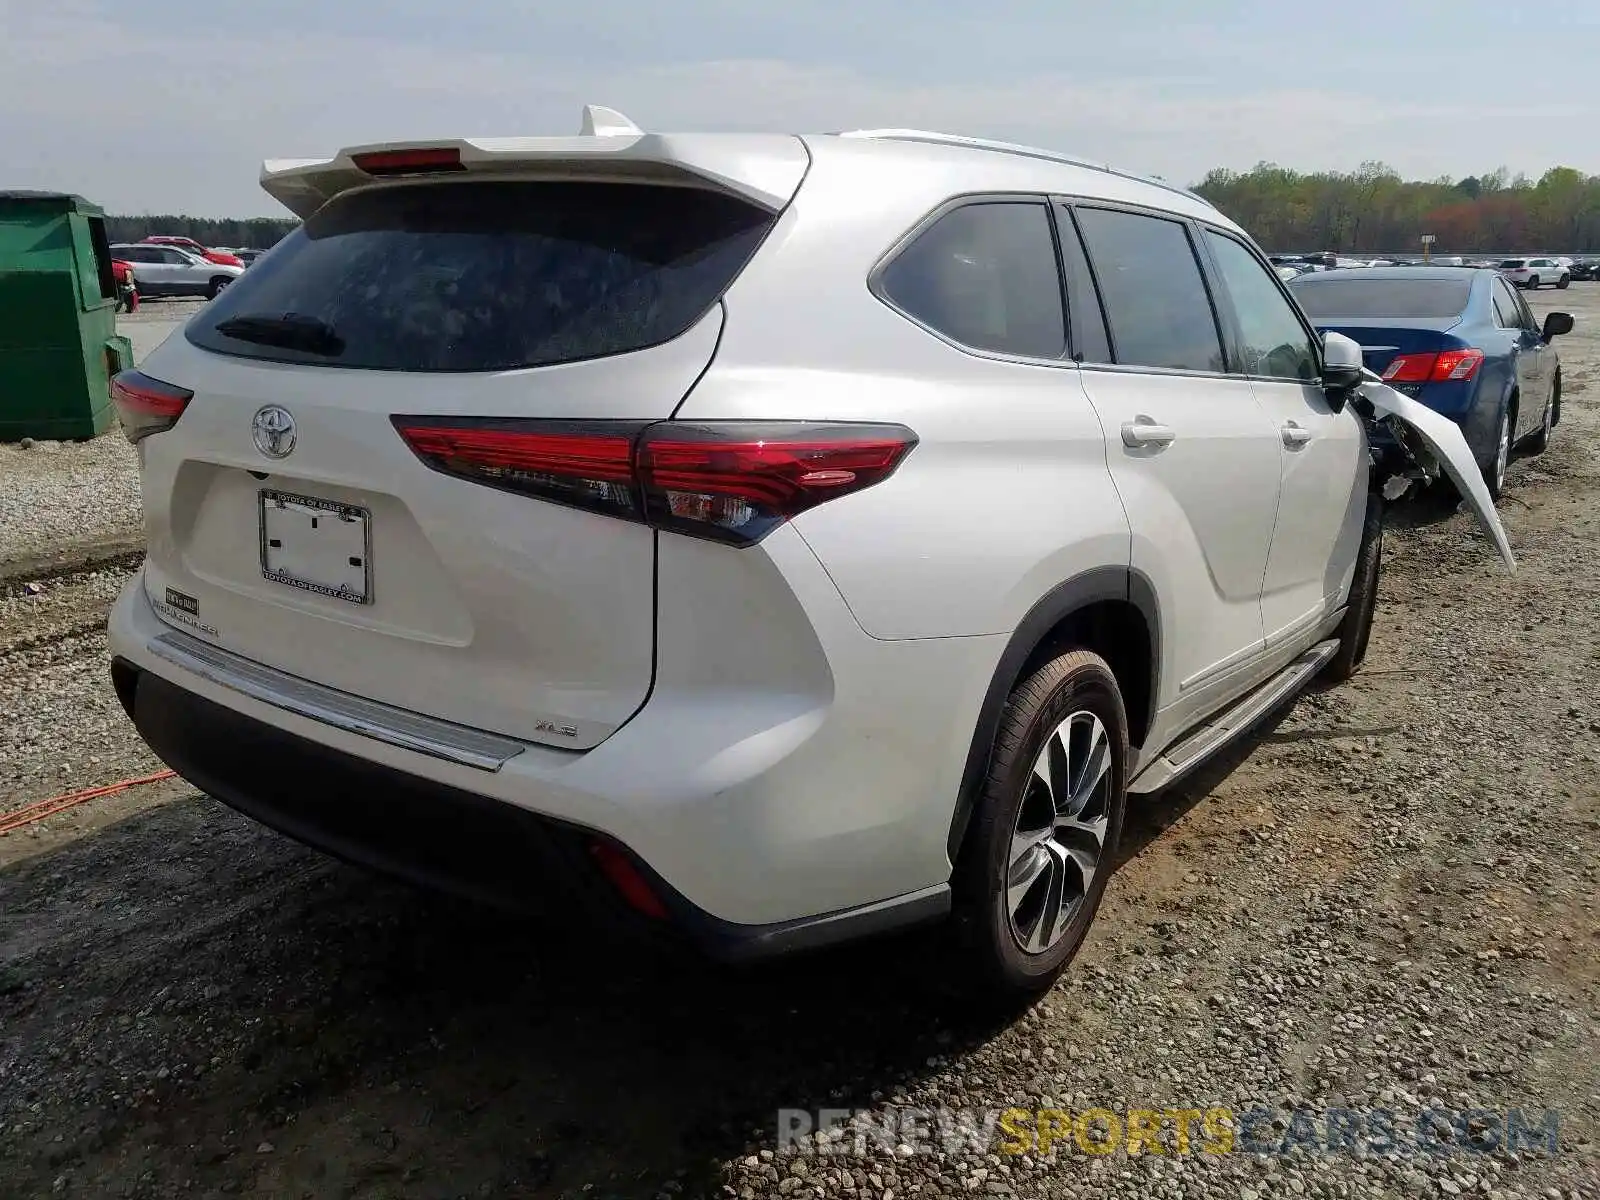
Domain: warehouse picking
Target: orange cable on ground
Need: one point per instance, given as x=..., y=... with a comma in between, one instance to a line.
x=40, y=809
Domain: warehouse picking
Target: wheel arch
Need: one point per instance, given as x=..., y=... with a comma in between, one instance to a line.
x=1112, y=611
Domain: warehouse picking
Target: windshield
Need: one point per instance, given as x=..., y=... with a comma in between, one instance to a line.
x=1428, y=299
x=479, y=276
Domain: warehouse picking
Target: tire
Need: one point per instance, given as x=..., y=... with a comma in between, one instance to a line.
x=1539, y=440
x=1533, y=284
x=1494, y=470
x=1067, y=714
x=1356, y=628
x=218, y=283
x=1563, y=281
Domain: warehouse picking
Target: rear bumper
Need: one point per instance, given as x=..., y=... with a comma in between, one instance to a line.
x=446, y=838
x=764, y=821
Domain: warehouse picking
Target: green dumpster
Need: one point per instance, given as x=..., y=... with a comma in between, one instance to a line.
x=58, y=330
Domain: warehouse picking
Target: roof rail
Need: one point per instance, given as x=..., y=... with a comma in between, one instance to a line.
x=955, y=139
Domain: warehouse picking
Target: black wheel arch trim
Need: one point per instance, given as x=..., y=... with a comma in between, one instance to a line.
x=1057, y=605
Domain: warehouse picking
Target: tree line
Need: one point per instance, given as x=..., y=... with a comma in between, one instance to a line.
x=1368, y=210
x=1372, y=209
x=257, y=232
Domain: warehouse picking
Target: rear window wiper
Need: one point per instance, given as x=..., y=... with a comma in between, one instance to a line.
x=292, y=331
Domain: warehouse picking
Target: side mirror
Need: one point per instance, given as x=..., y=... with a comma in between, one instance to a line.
x=1556, y=324
x=1341, y=367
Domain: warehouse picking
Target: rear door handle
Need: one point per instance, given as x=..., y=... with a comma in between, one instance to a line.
x=1295, y=435
x=1142, y=431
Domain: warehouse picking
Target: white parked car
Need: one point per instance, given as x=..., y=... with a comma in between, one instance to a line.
x=1535, y=272
x=767, y=539
x=172, y=271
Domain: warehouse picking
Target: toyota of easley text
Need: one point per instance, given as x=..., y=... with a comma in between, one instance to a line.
x=757, y=540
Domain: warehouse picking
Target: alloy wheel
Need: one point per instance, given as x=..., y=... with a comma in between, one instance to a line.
x=1058, y=841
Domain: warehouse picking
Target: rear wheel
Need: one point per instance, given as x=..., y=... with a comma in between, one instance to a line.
x=1539, y=440
x=218, y=283
x=1533, y=283
x=1356, y=628
x=1046, y=826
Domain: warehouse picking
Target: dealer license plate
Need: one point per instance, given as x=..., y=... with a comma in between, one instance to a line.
x=317, y=545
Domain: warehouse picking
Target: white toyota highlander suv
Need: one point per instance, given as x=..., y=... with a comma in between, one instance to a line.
x=766, y=539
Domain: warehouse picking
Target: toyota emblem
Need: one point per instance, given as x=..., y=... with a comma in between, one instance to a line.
x=273, y=430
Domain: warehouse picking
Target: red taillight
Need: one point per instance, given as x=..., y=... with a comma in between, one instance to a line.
x=618, y=867
x=735, y=483
x=1457, y=364
x=1441, y=367
x=728, y=482
x=409, y=162
x=1410, y=368
x=586, y=466
x=145, y=405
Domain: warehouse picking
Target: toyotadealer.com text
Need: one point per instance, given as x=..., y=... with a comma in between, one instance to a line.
x=1211, y=1130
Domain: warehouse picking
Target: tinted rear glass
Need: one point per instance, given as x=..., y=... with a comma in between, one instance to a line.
x=1429, y=299
x=493, y=276
x=1513, y=262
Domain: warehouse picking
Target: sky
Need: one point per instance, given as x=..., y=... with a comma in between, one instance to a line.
x=170, y=105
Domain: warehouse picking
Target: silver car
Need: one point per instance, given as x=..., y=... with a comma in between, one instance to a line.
x=172, y=271
x=760, y=539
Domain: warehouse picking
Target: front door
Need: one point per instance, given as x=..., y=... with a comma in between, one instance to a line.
x=1323, y=497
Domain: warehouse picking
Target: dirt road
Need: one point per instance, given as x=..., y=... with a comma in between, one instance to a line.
x=1386, y=899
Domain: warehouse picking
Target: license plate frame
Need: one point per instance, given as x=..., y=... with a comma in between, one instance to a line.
x=280, y=514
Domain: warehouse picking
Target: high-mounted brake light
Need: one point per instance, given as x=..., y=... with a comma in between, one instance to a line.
x=729, y=482
x=145, y=405
x=409, y=162
x=1441, y=367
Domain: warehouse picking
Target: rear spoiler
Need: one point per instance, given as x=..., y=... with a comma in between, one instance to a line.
x=765, y=169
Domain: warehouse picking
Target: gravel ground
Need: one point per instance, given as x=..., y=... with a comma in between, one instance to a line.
x=1386, y=899
x=56, y=494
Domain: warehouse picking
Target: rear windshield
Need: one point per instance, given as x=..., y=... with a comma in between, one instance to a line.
x=1426, y=298
x=1513, y=262
x=488, y=276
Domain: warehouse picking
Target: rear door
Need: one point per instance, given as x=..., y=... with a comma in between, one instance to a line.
x=1194, y=456
x=1511, y=316
x=1323, y=452
x=1536, y=369
x=291, y=523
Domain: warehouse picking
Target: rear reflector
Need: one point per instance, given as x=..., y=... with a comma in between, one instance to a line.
x=732, y=482
x=1441, y=367
x=145, y=405
x=409, y=162
x=618, y=867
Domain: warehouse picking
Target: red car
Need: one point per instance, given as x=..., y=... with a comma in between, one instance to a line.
x=216, y=256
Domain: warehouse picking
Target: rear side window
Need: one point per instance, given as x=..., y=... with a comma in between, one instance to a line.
x=1272, y=340
x=984, y=275
x=1155, y=298
x=1342, y=296
x=487, y=276
x=1513, y=262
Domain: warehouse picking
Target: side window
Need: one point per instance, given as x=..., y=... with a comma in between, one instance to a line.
x=1505, y=306
x=984, y=275
x=1090, y=342
x=1155, y=299
x=1273, y=341
x=1525, y=313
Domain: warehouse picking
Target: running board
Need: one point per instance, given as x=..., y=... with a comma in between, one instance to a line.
x=1207, y=739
